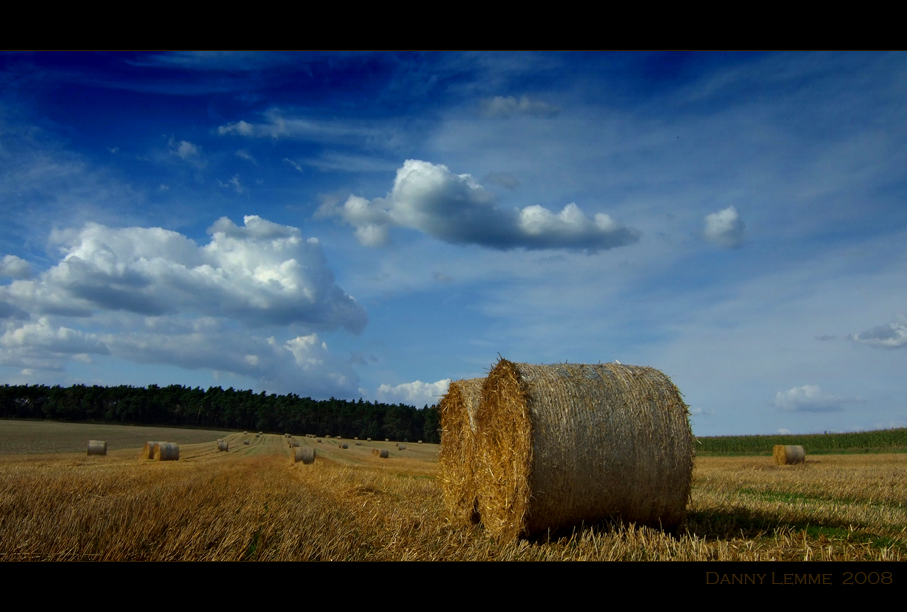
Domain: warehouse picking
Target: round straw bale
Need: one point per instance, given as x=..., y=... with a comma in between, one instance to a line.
x=457, y=456
x=166, y=451
x=343, y=445
x=787, y=454
x=355, y=437
x=565, y=443
x=97, y=447
x=148, y=449
x=383, y=453
x=223, y=445
x=368, y=439
x=305, y=454
x=319, y=441
x=245, y=441
x=401, y=447
x=358, y=443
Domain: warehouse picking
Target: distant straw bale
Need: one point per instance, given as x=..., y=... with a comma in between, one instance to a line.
x=457, y=456
x=566, y=443
x=294, y=443
x=97, y=447
x=343, y=445
x=148, y=449
x=245, y=441
x=304, y=454
x=166, y=451
x=383, y=453
x=223, y=445
x=788, y=455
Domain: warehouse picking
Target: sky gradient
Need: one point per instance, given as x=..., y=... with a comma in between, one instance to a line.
x=377, y=224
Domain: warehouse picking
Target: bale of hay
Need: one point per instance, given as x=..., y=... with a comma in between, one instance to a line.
x=305, y=454
x=343, y=445
x=457, y=456
x=420, y=442
x=401, y=447
x=166, y=451
x=245, y=441
x=355, y=437
x=560, y=444
x=294, y=443
x=368, y=439
x=319, y=441
x=383, y=453
x=148, y=449
x=97, y=447
x=788, y=454
x=358, y=443
x=223, y=445
x=387, y=439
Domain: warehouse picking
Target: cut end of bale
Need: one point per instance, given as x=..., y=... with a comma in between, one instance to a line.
x=456, y=458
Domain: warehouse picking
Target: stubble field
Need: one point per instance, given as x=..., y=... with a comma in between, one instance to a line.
x=254, y=503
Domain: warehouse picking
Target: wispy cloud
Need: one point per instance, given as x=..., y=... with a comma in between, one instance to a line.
x=505, y=107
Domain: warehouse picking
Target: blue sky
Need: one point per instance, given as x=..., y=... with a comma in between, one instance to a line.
x=377, y=224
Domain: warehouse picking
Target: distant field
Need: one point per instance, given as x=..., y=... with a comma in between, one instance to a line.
x=42, y=437
x=254, y=503
x=882, y=441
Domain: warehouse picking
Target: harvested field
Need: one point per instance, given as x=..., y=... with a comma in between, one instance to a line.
x=254, y=503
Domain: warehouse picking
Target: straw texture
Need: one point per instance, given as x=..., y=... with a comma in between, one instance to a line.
x=458, y=444
x=788, y=455
x=565, y=443
x=148, y=449
x=166, y=451
x=304, y=454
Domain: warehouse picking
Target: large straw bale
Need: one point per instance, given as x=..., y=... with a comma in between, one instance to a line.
x=565, y=443
x=223, y=445
x=97, y=447
x=383, y=453
x=305, y=454
x=788, y=455
x=166, y=451
x=458, y=443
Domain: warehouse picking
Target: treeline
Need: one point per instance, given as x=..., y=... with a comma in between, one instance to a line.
x=216, y=408
x=887, y=440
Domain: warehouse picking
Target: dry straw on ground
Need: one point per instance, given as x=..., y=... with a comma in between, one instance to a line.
x=457, y=456
x=787, y=455
x=565, y=443
x=97, y=447
x=166, y=451
x=304, y=454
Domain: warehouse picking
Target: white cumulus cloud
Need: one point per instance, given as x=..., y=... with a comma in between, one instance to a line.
x=890, y=336
x=14, y=267
x=457, y=209
x=261, y=273
x=416, y=393
x=808, y=398
x=724, y=228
